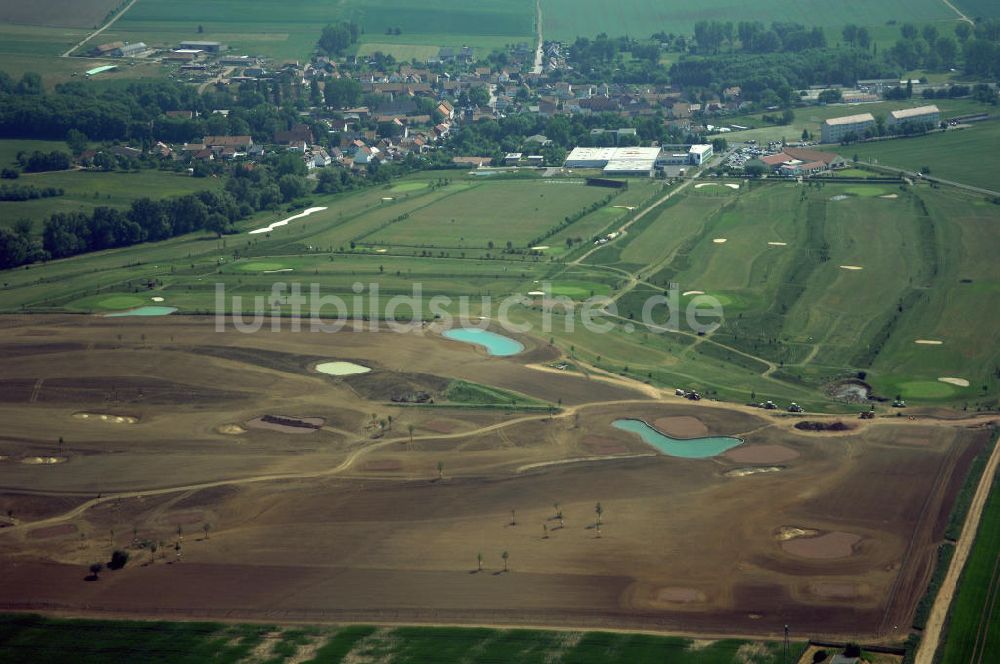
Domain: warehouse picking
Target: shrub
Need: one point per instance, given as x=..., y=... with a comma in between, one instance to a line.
x=118, y=559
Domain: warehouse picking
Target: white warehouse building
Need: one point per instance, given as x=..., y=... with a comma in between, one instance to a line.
x=615, y=161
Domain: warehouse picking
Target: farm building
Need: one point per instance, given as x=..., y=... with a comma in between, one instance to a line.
x=684, y=155
x=210, y=46
x=130, y=50
x=835, y=129
x=921, y=115
x=621, y=161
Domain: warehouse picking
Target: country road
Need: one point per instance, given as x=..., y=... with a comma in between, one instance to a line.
x=100, y=29
x=540, y=50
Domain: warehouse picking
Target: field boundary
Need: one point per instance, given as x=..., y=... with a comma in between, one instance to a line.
x=100, y=29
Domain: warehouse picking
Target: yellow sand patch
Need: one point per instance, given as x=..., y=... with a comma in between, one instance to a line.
x=720, y=240
x=851, y=267
x=705, y=184
x=541, y=247
x=890, y=196
x=961, y=382
x=42, y=461
x=231, y=429
x=732, y=185
x=778, y=244
x=156, y=299
x=928, y=342
x=693, y=292
x=103, y=417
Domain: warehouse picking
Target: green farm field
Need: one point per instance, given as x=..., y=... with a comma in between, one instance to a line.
x=567, y=19
x=967, y=155
x=261, y=27
x=44, y=640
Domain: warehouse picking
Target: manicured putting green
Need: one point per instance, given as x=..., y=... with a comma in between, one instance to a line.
x=409, y=186
x=579, y=291
x=261, y=267
x=925, y=389
x=121, y=302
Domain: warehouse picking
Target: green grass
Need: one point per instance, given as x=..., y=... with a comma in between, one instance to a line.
x=466, y=392
x=567, y=19
x=85, y=190
x=267, y=28
x=966, y=155
x=30, y=638
x=973, y=630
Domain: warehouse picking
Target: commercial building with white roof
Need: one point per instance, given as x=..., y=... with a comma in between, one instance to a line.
x=615, y=161
x=834, y=129
x=920, y=115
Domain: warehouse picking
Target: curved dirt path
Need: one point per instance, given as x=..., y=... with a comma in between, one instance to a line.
x=100, y=30
x=942, y=603
x=961, y=15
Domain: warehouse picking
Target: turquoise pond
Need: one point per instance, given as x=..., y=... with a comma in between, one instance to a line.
x=692, y=448
x=495, y=344
x=143, y=311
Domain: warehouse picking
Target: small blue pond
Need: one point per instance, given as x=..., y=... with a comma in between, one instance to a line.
x=495, y=344
x=143, y=311
x=692, y=448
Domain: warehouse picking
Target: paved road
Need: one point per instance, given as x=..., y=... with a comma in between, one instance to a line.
x=100, y=30
x=539, y=52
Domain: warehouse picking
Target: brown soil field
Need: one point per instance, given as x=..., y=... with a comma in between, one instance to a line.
x=353, y=522
x=58, y=13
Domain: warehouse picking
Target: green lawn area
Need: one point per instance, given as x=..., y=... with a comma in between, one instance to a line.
x=567, y=19
x=263, y=27
x=48, y=640
x=86, y=190
x=968, y=155
x=973, y=632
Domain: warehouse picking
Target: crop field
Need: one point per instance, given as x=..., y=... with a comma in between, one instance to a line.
x=58, y=13
x=266, y=28
x=973, y=634
x=978, y=8
x=960, y=155
x=567, y=19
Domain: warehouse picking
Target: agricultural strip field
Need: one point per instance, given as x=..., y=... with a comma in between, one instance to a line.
x=266, y=28
x=86, y=14
x=967, y=156
x=972, y=633
x=568, y=19
x=44, y=640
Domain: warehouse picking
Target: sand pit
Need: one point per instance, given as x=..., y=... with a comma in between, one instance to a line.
x=681, y=427
x=156, y=299
x=42, y=460
x=388, y=198
x=692, y=292
x=341, y=368
x=778, y=244
x=928, y=342
x=536, y=292
x=761, y=454
x=890, y=196
x=960, y=382
x=706, y=184
x=851, y=267
x=284, y=222
x=231, y=429
x=381, y=251
x=625, y=207
x=52, y=531
x=105, y=417
x=831, y=545
x=679, y=595
x=839, y=197
x=286, y=424
x=720, y=240
x=791, y=532
x=755, y=470
x=732, y=185
x=541, y=247
x=283, y=269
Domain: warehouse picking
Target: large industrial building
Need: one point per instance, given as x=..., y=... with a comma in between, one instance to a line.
x=835, y=129
x=920, y=115
x=615, y=161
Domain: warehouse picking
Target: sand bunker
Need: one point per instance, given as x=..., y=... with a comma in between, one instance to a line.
x=791, y=532
x=381, y=251
x=541, y=247
x=284, y=222
x=104, y=417
x=831, y=545
x=42, y=461
x=755, y=470
x=720, y=240
x=961, y=382
x=341, y=368
x=536, y=292
x=625, y=207
x=761, y=454
x=890, y=196
x=388, y=198
x=284, y=269
x=732, y=185
x=928, y=342
x=286, y=424
x=851, y=267
x=693, y=292
x=156, y=299
x=839, y=197
x=705, y=184
x=778, y=244
x=231, y=429
x=679, y=595
x=681, y=427
x=829, y=590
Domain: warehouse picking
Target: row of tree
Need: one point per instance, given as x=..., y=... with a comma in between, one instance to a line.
x=27, y=192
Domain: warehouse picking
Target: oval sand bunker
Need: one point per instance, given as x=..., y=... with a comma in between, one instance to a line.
x=341, y=368
x=960, y=382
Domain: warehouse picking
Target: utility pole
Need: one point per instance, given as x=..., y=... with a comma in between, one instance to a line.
x=785, y=658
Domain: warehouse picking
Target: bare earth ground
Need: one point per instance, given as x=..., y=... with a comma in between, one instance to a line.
x=347, y=523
